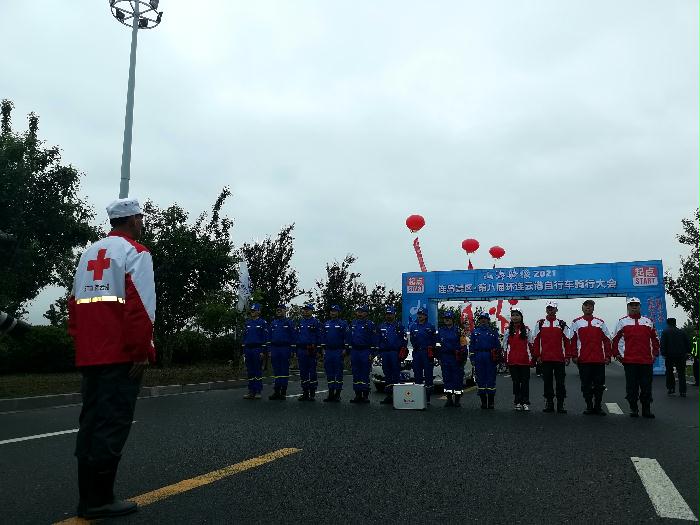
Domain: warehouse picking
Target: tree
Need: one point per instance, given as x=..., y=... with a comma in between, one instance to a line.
x=685, y=289
x=41, y=209
x=194, y=266
x=341, y=286
x=272, y=278
x=379, y=299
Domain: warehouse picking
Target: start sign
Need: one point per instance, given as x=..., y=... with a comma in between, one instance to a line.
x=645, y=276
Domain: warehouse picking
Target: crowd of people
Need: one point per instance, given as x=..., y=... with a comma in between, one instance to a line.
x=550, y=346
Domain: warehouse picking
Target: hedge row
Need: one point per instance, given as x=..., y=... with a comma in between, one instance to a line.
x=50, y=349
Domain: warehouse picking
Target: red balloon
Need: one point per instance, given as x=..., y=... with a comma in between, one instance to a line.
x=492, y=310
x=497, y=252
x=512, y=302
x=415, y=222
x=470, y=245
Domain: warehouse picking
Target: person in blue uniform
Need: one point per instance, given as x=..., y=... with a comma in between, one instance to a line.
x=484, y=346
x=362, y=344
x=254, y=346
x=391, y=339
x=307, y=343
x=335, y=341
x=423, y=338
x=281, y=344
x=452, y=355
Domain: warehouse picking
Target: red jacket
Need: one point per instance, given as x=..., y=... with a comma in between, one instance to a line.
x=590, y=340
x=112, y=308
x=636, y=340
x=518, y=350
x=550, y=340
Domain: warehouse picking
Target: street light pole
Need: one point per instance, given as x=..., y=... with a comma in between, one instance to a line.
x=137, y=14
x=129, y=117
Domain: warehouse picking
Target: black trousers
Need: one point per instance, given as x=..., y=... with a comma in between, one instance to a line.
x=554, y=370
x=592, y=380
x=520, y=374
x=109, y=400
x=638, y=383
x=677, y=362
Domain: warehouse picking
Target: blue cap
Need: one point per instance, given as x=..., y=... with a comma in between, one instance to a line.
x=335, y=308
x=255, y=306
x=390, y=310
x=362, y=308
x=447, y=315
x=282, y=305
x=308, y=306
x=423, y=310
x=484, y=315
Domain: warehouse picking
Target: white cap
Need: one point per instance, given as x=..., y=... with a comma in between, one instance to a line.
x=553, y=304
x=633, y=300
x=123, y=208
x=515, y=309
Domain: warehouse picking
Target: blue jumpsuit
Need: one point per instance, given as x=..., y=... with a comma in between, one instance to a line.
x=422, y=337
x=482, y=341
x=452, y=368
x=391, y=338
x=281, y=335
x=335, y=338
x=362, y=341
x=254, y=343
x=307, y=340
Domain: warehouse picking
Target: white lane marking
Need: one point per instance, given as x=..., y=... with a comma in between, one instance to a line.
x=663, y=494
x=299, y=395
x=39, y=436
x=614, y=408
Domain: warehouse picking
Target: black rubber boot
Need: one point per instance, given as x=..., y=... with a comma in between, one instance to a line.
x=357, y=398
x=560, y=406
x=457, y=403
x=634, y=409
x=304, y=396
x=388, y=400
x=331, y=396
x=589, y=407
x=492, y=399
x=449, y=402
x=483, y=401
x=646, y=410
x=312, y=394
x=336, y=397
x=365, y=396
x=276, y=395
x=283, y=393
x=598, y=409
x=548, y=405
x=101, y=502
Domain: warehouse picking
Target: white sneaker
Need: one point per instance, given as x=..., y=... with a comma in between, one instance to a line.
x=526, y=408
x=517, y=406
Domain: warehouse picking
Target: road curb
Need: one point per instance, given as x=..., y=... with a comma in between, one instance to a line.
x=16, y=404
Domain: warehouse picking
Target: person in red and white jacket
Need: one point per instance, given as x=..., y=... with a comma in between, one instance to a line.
x=518, y=350
x=111, y=313
x=636, y=345
x=550, y=348
x=590, y=348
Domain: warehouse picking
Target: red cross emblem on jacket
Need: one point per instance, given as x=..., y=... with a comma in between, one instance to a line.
x=99, y=265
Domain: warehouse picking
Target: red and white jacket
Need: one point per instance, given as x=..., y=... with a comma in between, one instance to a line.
x=636, y=340
x=590, y=340
x=550, y=340
x=518, y=350
x=113, y=305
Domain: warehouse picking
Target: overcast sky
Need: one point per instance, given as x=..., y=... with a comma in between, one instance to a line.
x=564, y=131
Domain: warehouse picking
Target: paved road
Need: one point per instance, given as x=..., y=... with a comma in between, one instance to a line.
x=360, y=464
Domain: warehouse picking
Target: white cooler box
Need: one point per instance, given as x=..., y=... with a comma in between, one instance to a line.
x=409, y=396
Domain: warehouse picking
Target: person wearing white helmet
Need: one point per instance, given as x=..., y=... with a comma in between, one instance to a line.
x=550, y=347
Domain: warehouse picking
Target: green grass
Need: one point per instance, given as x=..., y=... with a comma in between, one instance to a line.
x=25, y=385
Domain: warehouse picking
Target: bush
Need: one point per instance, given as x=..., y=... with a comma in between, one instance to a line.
x=225, y=348
x=188, y=347
x=42, y=349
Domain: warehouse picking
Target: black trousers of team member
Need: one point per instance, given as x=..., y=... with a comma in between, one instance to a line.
x=520, y=374
x=638, y=383
x=553, y=370
x=109, y=400
x=592, y=381
x=677, y=362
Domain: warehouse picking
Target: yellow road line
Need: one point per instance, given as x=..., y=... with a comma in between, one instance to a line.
x=199, y=481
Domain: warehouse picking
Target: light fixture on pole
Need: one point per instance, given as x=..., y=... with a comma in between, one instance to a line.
x=136, y=14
